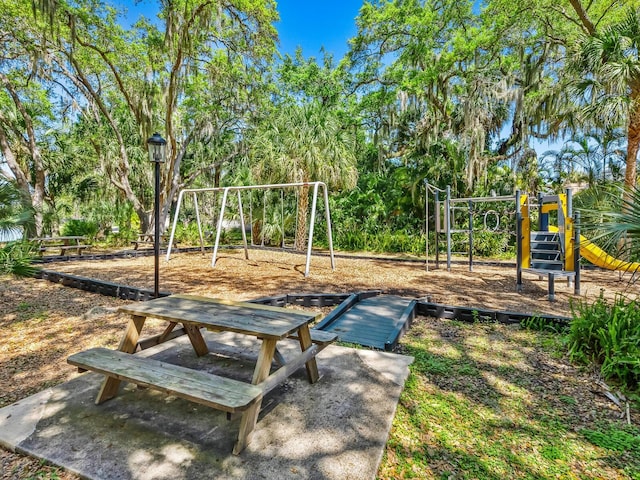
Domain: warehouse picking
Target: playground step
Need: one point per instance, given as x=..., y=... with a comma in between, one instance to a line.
x=544, y=236
x=546, y=251
x=546, y=264
x=545, y=245
x=543, y=254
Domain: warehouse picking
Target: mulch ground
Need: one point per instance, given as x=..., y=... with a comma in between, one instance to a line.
x=43, y=323
x=276, y=272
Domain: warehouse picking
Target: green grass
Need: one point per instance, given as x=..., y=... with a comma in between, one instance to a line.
x=495, y=402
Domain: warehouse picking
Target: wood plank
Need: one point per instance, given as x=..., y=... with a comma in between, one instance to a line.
x=304, y=337
x=198, y=343
x=284, y=372
x=154, y=340
x=319, y=336
x=250, y=416
x=214, y=391
x=128, y=344
x=245, y=318
x=263, y=364
x=251, y=305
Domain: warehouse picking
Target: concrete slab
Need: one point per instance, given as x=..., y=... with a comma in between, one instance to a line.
x=334, y=429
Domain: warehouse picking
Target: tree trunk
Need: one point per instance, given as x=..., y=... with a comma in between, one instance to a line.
x=301, y=230
x=37, y=188
x=633, y=142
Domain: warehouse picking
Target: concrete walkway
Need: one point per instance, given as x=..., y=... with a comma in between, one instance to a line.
x=334, y=429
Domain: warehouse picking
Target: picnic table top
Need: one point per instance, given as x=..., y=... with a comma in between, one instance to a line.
x=217, y=314
x=63, y=237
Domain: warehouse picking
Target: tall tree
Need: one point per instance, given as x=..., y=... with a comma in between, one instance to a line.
x=426, y=72
x=25, y=109
x=190, y=74
x=610, y=62
x=303, y=143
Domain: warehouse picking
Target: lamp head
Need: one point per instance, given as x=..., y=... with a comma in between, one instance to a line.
x=156, y=148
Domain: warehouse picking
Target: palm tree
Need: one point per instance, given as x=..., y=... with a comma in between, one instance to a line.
x=611, y=216
x=16, y=221
x=16, y=213
x=610, y=64
x=304, y=143
x=584, y=153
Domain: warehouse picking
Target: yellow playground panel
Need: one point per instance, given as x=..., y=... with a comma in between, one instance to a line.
x=555, y=250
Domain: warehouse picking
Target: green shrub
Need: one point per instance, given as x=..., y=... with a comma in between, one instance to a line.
x=491, y=244
x=16, y=258
x=385, y=241
x=80, y=228
x=541, y=324
x=188, y=234
x=608, y=334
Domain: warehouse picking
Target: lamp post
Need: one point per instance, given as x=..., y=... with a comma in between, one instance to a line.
x=156, y=155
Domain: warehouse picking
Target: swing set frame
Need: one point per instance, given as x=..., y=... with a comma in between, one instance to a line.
x=238, y=189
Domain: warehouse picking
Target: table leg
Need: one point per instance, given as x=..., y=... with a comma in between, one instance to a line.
x=199, y=345
x=304, y=336
x=110, y=385
x=167, y=331
x=250, y=416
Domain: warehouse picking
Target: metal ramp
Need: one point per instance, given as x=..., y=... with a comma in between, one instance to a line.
x=376, y=322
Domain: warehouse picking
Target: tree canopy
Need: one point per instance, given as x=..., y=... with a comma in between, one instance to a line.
x=465, y=93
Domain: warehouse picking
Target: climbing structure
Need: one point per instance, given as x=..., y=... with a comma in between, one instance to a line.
x=551, y=251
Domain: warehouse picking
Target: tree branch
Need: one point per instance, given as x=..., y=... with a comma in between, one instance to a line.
x=587, y=24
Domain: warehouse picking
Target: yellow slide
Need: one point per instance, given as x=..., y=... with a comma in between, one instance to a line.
x=600, y=258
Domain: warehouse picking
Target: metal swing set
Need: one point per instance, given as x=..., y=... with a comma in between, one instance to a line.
x=238, y=189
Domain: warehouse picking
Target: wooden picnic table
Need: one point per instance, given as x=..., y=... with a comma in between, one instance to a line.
x=268, y=324
x=63, y=243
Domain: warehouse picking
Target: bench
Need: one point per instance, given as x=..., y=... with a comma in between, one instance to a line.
x=78, y=248
x=63, y=248
x=207, y=389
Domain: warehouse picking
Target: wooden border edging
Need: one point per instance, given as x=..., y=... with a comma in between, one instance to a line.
x=469, y=314
x=98, y=286
x=129, y=253
x=344, y=302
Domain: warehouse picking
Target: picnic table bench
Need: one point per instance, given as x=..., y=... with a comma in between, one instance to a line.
x=266, y=323
x=65, y=244
x=205, y=388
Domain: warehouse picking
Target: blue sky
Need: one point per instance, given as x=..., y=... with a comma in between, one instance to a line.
x=306, y=23
x=314, y=24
